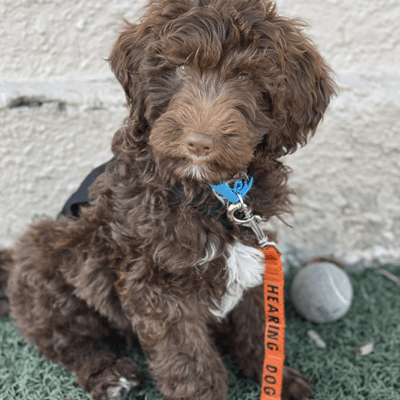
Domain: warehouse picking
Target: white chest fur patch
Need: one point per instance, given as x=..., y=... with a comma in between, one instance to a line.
x=245, y=268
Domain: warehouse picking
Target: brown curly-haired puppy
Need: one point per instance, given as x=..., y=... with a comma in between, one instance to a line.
x=214, y=87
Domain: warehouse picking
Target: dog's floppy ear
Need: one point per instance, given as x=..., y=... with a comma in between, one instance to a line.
x=125, y=59
x=303, y=87
x=126, y=56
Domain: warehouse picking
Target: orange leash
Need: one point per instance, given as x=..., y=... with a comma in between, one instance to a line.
x=271, y=385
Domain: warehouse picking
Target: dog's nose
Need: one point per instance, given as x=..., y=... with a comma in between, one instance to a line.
x=199, y=145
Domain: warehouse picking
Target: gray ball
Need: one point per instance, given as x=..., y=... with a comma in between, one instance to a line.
x=322, y=292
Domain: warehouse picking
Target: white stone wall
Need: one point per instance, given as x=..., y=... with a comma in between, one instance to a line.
x=60, y=106
x=348, y=177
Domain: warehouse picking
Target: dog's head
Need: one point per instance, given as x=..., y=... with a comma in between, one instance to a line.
x=215, y=85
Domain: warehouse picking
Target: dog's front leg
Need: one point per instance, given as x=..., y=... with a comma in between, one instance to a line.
x=247, y=336
x=181, y=355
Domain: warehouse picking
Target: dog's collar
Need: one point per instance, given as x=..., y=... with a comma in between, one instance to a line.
x=235, y=196
x=239, y=186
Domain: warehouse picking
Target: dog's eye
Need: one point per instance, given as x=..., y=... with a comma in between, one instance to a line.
x=243, y=76
x=183, y=70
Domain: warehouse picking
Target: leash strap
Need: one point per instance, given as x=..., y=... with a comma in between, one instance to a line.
x=274, y=337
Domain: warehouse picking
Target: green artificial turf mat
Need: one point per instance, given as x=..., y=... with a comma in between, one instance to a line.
x=337, y=371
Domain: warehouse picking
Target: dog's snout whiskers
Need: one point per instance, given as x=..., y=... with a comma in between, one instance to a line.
x=193, y=157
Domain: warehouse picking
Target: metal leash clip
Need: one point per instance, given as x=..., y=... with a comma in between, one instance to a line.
x=250, y=221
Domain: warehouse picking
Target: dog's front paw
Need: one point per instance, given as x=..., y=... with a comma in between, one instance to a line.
x=121, y=389
x=115, y=382
x=295, y=386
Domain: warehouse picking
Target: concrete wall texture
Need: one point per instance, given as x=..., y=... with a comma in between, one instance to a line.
x=60, y=106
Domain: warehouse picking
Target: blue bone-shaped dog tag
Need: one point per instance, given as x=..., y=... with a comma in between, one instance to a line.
x=240, y=187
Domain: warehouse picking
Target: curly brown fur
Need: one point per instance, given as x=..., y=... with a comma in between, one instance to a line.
x=6, y=263
x=214, y=87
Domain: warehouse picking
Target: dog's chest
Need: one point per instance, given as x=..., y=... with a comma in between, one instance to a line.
x=245, y=270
